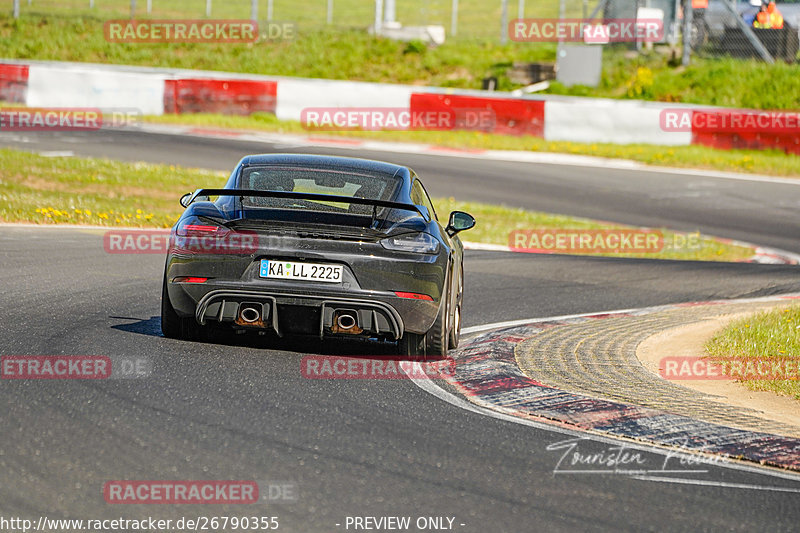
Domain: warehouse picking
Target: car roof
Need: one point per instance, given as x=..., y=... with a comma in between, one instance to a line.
x=328, y=162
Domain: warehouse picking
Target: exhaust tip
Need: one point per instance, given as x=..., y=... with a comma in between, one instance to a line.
x=346, y=321
x=250, y=314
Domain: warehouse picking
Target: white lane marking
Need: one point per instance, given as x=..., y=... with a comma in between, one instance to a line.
x=682, y=481
x=521, y=322
x=57, y=153
x=723, y=462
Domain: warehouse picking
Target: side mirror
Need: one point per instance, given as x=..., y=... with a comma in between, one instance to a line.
x=459, y=221
x=185, y=199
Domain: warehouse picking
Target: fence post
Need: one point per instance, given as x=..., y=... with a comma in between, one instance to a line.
x=688, y=14
x=378, y=15
x=253, y=9
x=208, y=8
x=504, y=22
x=269, y=10
x=389, y=11
x=454, y=18
x=330, y=11
x=16, y=9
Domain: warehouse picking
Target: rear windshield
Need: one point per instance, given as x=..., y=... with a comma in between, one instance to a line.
x=317, y=181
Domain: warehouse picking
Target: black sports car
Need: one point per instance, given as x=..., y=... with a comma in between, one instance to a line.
x=317, y=245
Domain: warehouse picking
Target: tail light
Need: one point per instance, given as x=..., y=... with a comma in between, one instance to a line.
x=413, y=295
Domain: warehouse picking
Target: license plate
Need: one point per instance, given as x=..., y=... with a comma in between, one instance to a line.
x=300, y=271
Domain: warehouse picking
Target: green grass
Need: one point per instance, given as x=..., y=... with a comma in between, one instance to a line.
x=66, y=190
x=346, y=51
x=769, y=335
x=770, y=162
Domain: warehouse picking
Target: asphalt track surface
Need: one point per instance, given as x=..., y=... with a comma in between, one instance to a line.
x=240, y=409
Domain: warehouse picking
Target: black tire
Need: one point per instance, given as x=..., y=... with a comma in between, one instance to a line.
x=173, y=326
x=455, y=317
x=412, y=345
x=438, y=337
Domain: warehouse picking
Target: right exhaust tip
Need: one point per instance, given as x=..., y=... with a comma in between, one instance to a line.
x=346, y=321
x=250, y=314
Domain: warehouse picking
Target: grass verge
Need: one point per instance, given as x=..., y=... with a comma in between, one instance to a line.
x=769, y=336
x=770, y=162
x=68, y=190
x=321, y=51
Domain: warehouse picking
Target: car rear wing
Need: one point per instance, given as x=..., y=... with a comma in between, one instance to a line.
x=292, y=195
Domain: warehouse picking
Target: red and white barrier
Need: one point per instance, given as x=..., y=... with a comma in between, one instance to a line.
x=555, y=118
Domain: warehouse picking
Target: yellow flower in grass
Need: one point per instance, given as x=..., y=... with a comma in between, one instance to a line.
x=103, y=216
x=87, y=212
x=78, y=211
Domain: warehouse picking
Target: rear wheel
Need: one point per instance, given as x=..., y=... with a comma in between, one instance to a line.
x=438, y=337
x=455, y=321
x=172, y=325
x=411, y=344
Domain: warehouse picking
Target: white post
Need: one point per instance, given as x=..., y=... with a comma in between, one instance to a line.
x=149, y=6
x=378, y=15
x=454, y=18
x=330, y=11
x=16, y=9
x=389, y=11
x=133, y=9
x=504, y=22
x=521, y=9
x=254, y=10
x=208, y=8
x=269, y=10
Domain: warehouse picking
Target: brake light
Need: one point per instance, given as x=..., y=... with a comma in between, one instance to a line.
x=413, y=295
x=204, y=229
x=189, y=279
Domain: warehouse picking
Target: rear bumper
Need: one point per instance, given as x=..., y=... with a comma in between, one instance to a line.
x=376, y=314
x=372, y=318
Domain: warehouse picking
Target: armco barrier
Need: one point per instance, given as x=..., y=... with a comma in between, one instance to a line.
x=296, y=94
x=511, y=116
x=13, y=83
x=602, y=120
x=74, y=85
x=228, y=97
x=154, y=91
x=705, y=131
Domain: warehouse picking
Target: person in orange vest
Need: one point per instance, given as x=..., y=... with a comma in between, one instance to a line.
x=775, y=17
x=762, y=20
